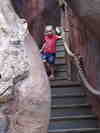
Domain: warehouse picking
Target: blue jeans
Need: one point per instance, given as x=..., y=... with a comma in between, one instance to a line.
x=49, y=57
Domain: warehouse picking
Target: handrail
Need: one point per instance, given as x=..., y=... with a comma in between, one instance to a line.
x=77, y=62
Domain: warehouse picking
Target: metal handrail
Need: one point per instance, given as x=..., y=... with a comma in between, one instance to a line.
x=81, y=73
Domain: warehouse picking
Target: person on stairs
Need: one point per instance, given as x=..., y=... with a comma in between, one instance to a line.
x=48, y=50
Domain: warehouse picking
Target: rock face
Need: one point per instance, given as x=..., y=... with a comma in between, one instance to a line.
x=24, y=88
x=38, y=13
x=90, y=14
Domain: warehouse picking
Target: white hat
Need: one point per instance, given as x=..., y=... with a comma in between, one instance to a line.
x=49, y=28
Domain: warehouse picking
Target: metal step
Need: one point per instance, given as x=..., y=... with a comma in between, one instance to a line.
x=67, y=100
x=61, y=78
x=60, y=48
x=61, y=68
x=61, y=74
x=59, y=43
x=71, y=110
x=77, y=90
x=64, y=83
x=73, y=122
x=60, y=40
x=60, y=54
x=79, y=130
x=60, y=61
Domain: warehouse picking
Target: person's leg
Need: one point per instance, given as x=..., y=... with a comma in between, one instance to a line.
x=52, y=66
x=52, y=70
x=44, y=59
x=47, y=66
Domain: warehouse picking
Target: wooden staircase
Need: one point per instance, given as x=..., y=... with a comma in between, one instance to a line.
x=70, y=111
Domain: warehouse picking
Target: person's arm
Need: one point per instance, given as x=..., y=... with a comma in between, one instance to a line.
x=44, y=44
x=41, y=50
x=58, y=37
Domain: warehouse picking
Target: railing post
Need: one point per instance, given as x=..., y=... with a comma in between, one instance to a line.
x=67, y=39
x=65, y=25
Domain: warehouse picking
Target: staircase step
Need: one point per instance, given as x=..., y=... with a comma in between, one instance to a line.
x=61, y=78
x=68, y=95
x=60, y=54
x=79, y=130
x=61, y=69
x=60, y=61
x=67, y=100
x=67, y=90
x=64, y=83
x=60, y=48
x=59, y=42
x=61, y=74
x=73, y=122
x=71, y=110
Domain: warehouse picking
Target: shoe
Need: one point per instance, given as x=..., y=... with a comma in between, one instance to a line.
x=51, y=77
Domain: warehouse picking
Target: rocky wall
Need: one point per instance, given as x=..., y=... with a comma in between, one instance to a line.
x=86, y=45
x=89, y=11
x=38, y=13
x=24, y=88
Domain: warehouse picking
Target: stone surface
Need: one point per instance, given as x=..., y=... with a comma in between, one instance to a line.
x=38, y=14
x=86, y=7
x=22, y=73
x=90, y=14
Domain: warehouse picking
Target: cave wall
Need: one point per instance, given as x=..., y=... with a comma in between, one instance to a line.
x=38, y=14
x=87, y=45
x=49, y=15
x=86, y=7
x=89, y=11
x=92, y=62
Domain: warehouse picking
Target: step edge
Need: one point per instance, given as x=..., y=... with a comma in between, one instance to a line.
x=71, y=106
x=74, y=117
x=61, y=78
x=68, y=95
x=71, y=130
x=68, y=83
x=60, y=50
x=60, y=57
